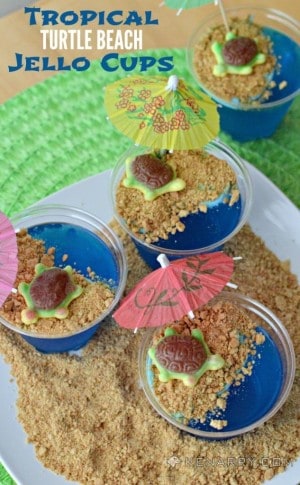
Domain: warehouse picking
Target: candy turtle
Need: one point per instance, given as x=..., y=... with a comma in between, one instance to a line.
x=48, y=294
x=152, y=176
x=238, y=55
x=184, y=357
x=239, y=51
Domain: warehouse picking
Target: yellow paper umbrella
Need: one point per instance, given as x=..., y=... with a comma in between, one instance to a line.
x=163, y=113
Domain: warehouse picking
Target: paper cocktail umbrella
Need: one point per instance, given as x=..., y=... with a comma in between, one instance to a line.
x=174, y=290
x=8, y=257
x=162, y=113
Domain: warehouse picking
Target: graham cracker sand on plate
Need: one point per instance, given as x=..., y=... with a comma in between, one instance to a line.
x=89, y=420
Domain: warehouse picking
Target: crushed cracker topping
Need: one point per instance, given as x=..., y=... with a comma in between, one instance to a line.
x=95, y=426
x=234, y=86
x=221, y=324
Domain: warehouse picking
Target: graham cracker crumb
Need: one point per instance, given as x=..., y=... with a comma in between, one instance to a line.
x=259, y=338
x=282, y=85
x=89, y=420
x=218, y=423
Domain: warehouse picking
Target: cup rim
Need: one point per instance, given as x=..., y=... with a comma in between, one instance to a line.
x=78, y=215
x=264, y=312
x=211, y=146
x=287, y=20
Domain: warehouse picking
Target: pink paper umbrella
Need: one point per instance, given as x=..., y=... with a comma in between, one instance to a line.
x=174, y=290
x=8, y=257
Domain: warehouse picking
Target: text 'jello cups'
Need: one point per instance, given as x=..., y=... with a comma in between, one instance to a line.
x=246, y=370
x=255, y=89
x=204, y=203
x=71, y=274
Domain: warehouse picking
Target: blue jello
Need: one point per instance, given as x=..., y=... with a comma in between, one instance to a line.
x=245, y=124
x=85, y=249
x=254, y=398
x=201, y=229
x=253, y=121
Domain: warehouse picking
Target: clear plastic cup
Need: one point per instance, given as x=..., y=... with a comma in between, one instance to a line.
x=260, y=395
x=245, y=122
x=208, y=225
x=89, y=243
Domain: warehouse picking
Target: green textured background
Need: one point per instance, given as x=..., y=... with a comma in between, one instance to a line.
x=56, y=133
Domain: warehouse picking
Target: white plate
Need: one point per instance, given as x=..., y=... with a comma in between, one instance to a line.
x=274, y=218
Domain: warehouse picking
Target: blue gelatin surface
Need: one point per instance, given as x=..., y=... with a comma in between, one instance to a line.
x=288, y=53
x=201, y=230
x=84, y=249
x=258, y=393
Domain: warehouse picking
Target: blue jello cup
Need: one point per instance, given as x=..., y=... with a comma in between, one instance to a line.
x=246, y=122
x=260, y=395
x=90, y=245
x=204, y=231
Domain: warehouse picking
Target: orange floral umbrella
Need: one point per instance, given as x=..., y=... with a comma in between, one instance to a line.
x=162, y=113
